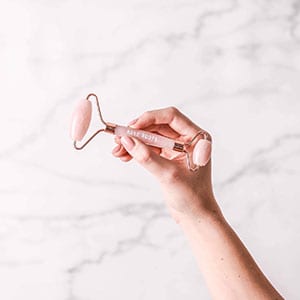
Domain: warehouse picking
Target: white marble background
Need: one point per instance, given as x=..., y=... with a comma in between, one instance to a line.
x=84, y=225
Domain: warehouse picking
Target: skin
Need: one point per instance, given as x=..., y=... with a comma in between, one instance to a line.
x=228, y=268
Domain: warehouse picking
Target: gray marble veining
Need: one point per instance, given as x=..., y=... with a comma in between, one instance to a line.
x=83, y=226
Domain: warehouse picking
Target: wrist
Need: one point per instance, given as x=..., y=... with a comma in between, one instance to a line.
x=205, y=215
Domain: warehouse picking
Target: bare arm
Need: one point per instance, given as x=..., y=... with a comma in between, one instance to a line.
x=227, y=266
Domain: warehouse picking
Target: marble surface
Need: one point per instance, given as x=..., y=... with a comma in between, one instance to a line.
x=84, y=225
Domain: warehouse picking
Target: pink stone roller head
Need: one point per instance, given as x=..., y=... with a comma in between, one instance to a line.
x=81, y=120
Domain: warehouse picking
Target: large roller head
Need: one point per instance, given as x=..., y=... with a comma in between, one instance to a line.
x=81, y=119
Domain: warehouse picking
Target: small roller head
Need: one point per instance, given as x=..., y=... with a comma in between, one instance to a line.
x=81, y=119
x=202, y=152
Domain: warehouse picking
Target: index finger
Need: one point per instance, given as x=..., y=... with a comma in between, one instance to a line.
x=171, y=116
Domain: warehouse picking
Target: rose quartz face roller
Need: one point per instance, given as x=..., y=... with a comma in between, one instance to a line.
x=81, y=120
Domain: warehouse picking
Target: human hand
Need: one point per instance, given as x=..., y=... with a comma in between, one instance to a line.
x=186, y=193
x=189, y=197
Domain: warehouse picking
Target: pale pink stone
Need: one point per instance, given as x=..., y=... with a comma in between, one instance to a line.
x=81, y=119
x=202, y=152
x=148, y=138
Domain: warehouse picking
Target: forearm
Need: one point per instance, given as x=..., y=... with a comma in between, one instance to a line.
x=228, y=268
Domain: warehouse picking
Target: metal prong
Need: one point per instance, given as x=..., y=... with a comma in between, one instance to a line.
x=188, y=161
x=205, y=134
x=98, y=106
x=82, y=146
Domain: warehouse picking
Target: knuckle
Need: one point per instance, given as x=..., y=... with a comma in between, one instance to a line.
x=207, y=135
x=173, y=110
x=147, y=114
x=143, y=156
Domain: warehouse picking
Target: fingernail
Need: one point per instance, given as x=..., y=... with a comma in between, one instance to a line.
x=132, y=122
x=116, y=149
x=127, y=142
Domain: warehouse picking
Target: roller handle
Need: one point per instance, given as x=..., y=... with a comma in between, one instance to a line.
x=147, y=137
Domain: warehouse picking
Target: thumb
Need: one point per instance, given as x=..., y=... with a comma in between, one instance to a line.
x=153, y=162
